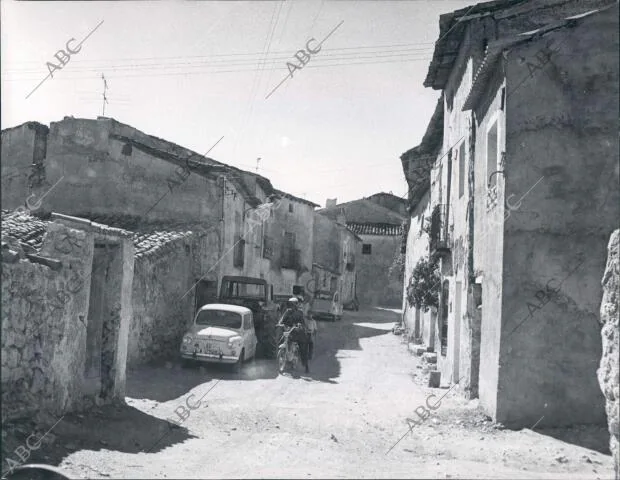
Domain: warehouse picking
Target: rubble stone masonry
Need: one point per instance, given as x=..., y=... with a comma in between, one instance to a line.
x=608, y=370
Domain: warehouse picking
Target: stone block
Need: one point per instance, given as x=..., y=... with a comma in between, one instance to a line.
x=434, y=380
x=429, y=357
x=417, y=349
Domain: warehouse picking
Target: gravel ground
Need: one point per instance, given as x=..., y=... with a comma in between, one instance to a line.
x=339, y=421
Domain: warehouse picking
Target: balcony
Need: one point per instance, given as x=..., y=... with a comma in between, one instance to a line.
x=439, y=236
x=291, y=258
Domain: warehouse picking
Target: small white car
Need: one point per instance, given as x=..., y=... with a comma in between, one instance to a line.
x=220, y=334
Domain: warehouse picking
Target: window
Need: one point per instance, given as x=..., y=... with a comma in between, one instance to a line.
x=219, y=318
x=290, y=208
x=462, y=172
x=492, y=156
x=290, y=255
x=239, y=253
x=366, y=248
x=267, y=247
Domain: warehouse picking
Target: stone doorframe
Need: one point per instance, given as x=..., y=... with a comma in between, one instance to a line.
x=115, y=309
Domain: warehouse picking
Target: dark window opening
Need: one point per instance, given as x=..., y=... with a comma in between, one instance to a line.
x=127, y=149
x=290, y=207
x=366, y=249
x=239, y=253
x=492, y=156
x=461, y=169
x=445, y=292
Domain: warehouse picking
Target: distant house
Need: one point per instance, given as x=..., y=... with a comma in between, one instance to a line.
x=380, y=230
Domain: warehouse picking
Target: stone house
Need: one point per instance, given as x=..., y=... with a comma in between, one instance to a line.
x=380, y=231
x=390, y=201
x=517, y=175
x=192, y=219
x=66, y=310
x=334, y=268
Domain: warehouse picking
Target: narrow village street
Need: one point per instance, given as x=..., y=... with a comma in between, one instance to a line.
x=339, y=421
x=422, y=196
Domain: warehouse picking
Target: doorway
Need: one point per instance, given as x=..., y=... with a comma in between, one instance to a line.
x=103, y=320
x=456, y=339
x=443, y=316
x=206, y=292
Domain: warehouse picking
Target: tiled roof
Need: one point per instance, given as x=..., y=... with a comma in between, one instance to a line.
x=149, y=239
x=147, y=244
x=375, y=229
x=363, y=211
x=24, y=227
x=154, y=240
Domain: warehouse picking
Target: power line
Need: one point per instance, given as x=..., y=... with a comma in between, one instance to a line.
x=288, y=52
x=236, y=63
x=140, y=75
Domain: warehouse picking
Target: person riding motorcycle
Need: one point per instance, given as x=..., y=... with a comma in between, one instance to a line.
x=291, y=317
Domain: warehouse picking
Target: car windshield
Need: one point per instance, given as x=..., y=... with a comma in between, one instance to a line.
x=247, y=290
x=219, y=318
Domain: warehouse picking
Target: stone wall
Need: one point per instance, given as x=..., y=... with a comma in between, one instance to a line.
x=374, y=286
x=60, y=315
x=19, y=155
x=43, y=338
x=163, y=301
x=417, y=249
x=561, y=131
x=350, y=246
x=608, y=370
x=327, y=244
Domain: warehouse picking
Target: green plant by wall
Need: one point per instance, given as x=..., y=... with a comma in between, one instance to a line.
x=423, y=288
x=397, y=269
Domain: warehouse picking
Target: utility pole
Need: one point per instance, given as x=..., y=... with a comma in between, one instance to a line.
x=105, y=99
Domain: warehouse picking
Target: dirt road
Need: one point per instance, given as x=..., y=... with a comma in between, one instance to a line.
x=339, y=421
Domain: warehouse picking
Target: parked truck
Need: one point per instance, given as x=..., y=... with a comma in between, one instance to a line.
x=257, y=295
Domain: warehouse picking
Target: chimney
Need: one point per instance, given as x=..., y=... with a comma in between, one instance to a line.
x=331, y=202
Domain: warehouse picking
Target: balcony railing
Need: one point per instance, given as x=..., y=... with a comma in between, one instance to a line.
x=291, y=258
x=439, y=236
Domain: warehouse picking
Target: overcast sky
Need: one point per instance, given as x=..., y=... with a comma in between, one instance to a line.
x=192, y=72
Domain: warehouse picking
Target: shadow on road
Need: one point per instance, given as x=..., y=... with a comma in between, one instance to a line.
x=594, y=437
x=345, y=335
x=166, y=380
x=118, y=427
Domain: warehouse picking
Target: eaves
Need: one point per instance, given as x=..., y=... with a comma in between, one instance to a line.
x=495, y=51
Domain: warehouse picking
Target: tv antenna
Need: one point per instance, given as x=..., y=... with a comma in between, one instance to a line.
x=105, y=99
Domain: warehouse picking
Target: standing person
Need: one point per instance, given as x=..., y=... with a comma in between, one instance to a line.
x=311, y=325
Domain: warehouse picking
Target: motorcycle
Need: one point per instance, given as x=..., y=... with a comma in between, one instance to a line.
x=288, y=350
